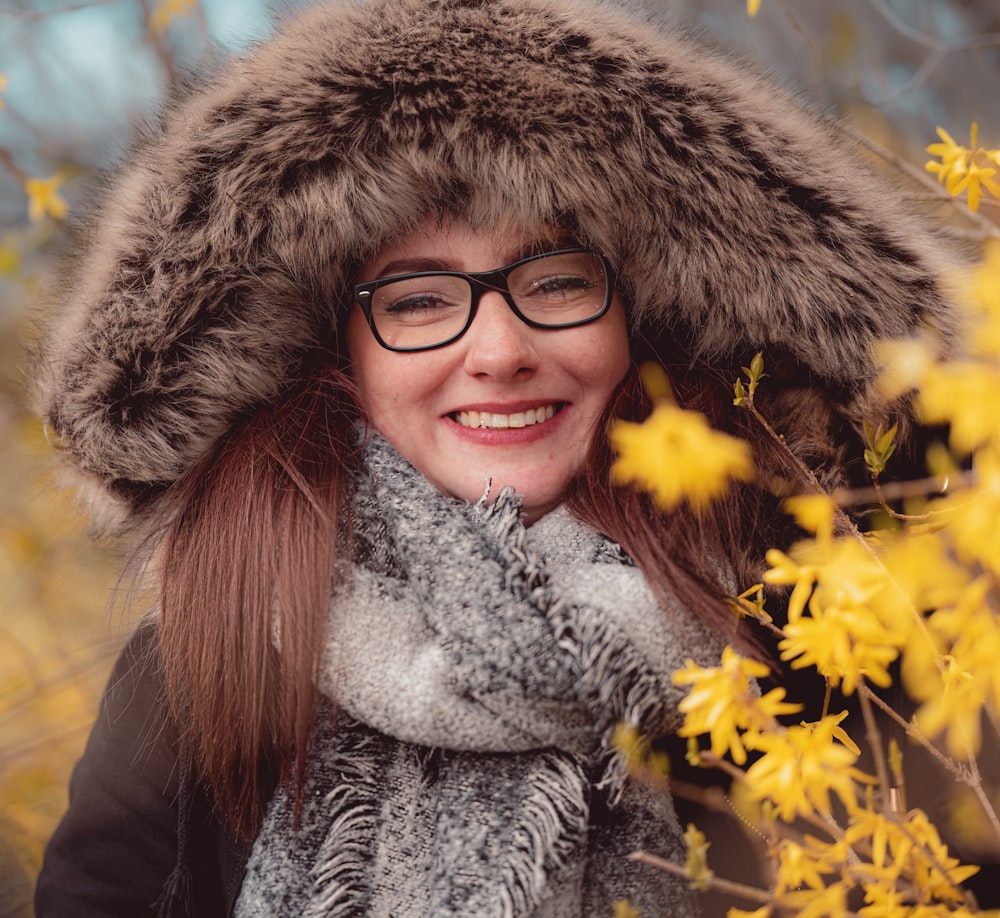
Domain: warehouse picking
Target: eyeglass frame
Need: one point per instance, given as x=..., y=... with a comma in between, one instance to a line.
x=481, y=282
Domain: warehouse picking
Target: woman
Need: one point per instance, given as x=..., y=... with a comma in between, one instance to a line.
x=401, y=608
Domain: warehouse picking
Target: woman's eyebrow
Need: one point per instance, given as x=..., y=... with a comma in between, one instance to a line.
x=526, y=249
x=540, y=245
x=410, y=265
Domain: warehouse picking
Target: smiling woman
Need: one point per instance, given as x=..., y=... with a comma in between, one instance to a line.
x=460, y=412
x=340, y=353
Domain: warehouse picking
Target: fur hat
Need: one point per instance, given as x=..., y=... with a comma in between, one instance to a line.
x=220, y=253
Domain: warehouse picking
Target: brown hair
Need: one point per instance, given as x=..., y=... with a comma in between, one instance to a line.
x=248, y=556
x=262, y=521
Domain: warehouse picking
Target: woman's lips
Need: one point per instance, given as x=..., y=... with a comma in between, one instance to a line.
x=488, y=420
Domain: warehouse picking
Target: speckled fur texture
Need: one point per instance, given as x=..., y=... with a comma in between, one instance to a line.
x=220, y=253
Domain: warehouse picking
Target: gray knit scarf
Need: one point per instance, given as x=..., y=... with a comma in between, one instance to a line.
x=478, y=669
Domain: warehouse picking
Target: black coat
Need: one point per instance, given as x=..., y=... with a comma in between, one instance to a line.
x=116, y=847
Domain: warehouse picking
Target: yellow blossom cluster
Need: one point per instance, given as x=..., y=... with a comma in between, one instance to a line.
x=43, y=193
x=44, y=198
x=674, y=453
x=949, y=570
x=927, y=593
x=169, y=10
x=968, y=169
x=919, y=597
x=724, y=703
x=841, y=610
x=896, y=860
x=906, y=872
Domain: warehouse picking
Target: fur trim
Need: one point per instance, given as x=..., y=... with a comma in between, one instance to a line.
x=736, y=220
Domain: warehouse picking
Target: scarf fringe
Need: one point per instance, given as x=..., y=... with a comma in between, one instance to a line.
x=341, y=873
x=556, y=816
x=482, y=690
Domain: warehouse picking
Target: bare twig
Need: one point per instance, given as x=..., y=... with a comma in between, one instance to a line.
x=35, y=15
x=750, y=893
x=929, y=41
x=155, y=41
x=934, y=60
x=983, y=223
x=874, y=737
x=12, y=167
x=968, y=775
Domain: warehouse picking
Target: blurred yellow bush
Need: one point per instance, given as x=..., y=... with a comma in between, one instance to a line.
x=56, y=640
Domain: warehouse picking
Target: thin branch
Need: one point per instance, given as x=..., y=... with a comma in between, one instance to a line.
x=750, y=893
x=155, y=41
x=988, y=806
x=12, y=167
x=918, y=487
x=929, y=41
x=874, y=737
x=988, y=227
x=883, y=501
x=914, y=734
x=714, y=761
x=713, y=799
x=807, y=473
x=934, y=60
x=35, y=15
x=966, y=775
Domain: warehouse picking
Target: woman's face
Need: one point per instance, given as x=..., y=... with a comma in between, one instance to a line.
x=426, y=402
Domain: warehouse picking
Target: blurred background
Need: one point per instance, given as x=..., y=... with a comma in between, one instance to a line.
x=76, y=78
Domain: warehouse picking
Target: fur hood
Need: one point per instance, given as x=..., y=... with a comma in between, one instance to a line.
x=221, y=250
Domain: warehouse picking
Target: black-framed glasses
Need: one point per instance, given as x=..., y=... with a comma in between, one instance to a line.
x=428, y=309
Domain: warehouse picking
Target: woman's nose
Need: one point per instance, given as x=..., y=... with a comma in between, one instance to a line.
x=498, y=343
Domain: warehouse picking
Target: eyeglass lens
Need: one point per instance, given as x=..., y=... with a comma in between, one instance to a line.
x=564, y=288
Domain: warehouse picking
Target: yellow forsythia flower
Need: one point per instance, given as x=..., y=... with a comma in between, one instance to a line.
x=902, y=365
x=676, y=455
x=724, y=701
x=965, y=394
x=753, y=6
x=957, y=678
x=929, y=857
x=954, y=159
x=973, y=514
x=625, y=909
x=844, y=644
x=846, y=616
x=842, y=573
x=168, y=11
x=696, y=865
x=44, y=198
x=959, y=168
x=924, y=574
x=797, y=866
x=981, y=290
x=800, y=768
x=635, y=752
x=906, y=850
x=830, y=902
x=814, y=513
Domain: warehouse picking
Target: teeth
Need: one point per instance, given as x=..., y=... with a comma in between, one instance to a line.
x=486, y=419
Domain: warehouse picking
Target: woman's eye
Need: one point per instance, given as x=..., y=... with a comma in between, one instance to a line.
x=420, y=307
x=560, y=283
x=414, y=303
